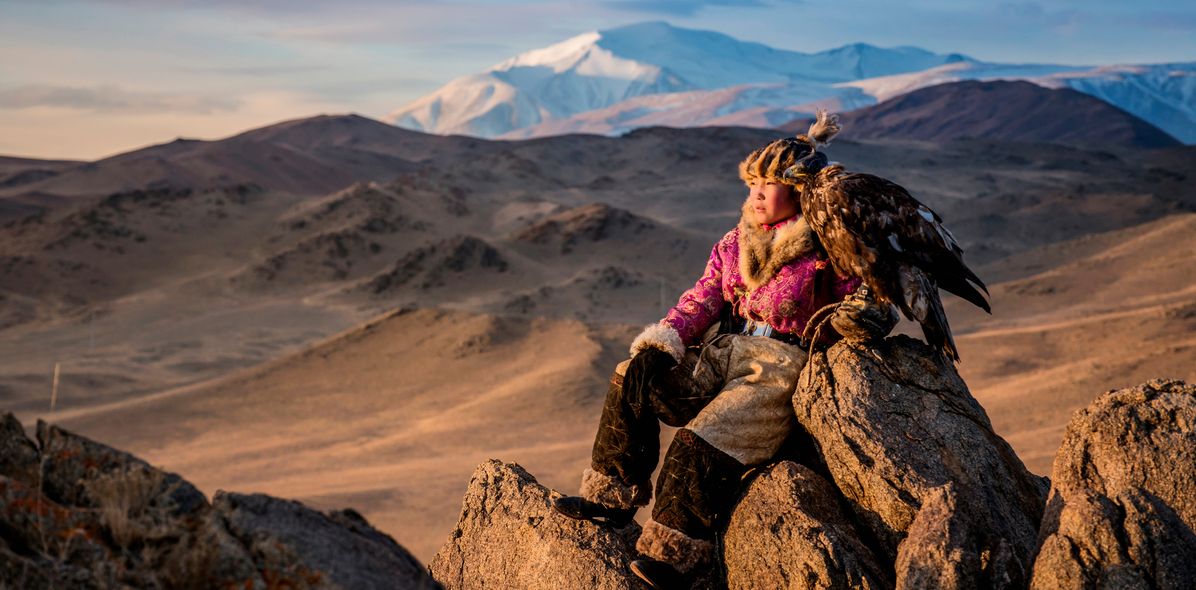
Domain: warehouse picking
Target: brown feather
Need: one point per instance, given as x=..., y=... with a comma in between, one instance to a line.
x=874, y=229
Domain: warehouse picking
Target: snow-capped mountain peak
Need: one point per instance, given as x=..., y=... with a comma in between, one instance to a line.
x=559, y=56
x=601, y=68
x=604, y=81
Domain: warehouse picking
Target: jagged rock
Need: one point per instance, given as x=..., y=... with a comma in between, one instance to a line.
x=81, y=472
x=18, y=455
x=33, y=526
x=26, y=573
x=1122, y=508
x=209, y=557
x=895, y=422
x=943, y=549
x=297, y=547
x=508, y=536
x=788, y=531
x=78, y=514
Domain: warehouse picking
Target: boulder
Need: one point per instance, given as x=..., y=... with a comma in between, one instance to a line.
x=78, y=471
x=1122, y=506
x=789, y=531
x=75, y=513
x=294, y=546
x=944, y=549
x=893, y=422
x=508, y=536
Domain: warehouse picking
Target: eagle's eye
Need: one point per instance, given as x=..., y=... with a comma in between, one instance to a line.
x=794, y=172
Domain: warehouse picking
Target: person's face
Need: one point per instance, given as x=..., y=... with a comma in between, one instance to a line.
x=772, y=201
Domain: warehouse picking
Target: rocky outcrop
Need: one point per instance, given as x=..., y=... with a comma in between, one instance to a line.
x=588, y=223
x=905, y=486
x=77, y=514
x=789, y=531
x=435, y=264
x=508, y=536
x=18, y=455
x=944, y=547
x=894, y=423
x=293, y=541
x=1122, y=507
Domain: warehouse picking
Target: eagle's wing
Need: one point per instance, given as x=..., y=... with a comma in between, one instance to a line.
x=838, y=218
x=904, y=228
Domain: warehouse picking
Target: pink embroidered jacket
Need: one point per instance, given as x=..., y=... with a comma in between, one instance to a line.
x=773, y=275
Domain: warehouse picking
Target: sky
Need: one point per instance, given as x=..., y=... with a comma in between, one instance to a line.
x=84, y=80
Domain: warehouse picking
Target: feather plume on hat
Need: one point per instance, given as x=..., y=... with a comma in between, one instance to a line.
x=824, y=128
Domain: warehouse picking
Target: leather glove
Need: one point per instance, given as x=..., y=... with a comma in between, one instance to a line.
x=860, y=319
x=652, y=361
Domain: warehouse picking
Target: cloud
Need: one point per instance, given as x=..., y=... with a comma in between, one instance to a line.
x=1167, y=21
x=272, y=70
x=456, y=27
x=109, y=99
x=684, y=8
x=1036, y=13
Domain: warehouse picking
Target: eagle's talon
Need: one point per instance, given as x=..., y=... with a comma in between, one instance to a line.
x=863, y=321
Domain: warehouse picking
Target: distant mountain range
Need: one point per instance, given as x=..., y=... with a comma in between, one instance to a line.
x=612, y=81
x=999, y=110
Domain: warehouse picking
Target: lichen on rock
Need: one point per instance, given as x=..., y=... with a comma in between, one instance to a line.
x=508, y=536
x=893, y=423
x=789, y=531
x=75, y=513
x=1122, y=507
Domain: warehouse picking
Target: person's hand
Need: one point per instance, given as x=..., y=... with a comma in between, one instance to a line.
x=652, y=361
x=860, y=319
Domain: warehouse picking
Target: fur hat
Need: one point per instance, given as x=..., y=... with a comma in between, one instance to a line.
x=771, y=161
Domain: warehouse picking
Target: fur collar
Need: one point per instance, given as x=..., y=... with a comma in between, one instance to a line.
x=762, y=252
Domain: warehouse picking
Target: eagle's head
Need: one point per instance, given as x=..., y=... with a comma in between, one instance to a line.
x=806, y=167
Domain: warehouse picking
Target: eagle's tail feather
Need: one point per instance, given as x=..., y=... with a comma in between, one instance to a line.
x=972, y=277
x=953, y=276
x=922, y=297
x=964, y=290
x=936, y=329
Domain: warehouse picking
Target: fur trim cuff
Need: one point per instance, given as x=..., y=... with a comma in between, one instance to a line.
x=661, y=336
x=683, y=552
x=609, y=491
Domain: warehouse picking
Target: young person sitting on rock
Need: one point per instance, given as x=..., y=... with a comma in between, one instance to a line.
x=731, y=393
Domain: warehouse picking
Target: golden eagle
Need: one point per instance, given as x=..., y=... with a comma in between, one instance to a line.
x=874, y=229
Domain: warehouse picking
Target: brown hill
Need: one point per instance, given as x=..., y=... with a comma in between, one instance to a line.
x=1105, y=311
x=1003, y=110
x=140, y=290
x=128, y=319
x=458, y=261
x=17, y=171
x=389, y=417
x=11, y=164
x=286, y=156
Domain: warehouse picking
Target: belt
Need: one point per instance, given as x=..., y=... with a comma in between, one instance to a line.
x=754, y=328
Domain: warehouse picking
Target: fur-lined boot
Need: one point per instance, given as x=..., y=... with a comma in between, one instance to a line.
x=673, y=558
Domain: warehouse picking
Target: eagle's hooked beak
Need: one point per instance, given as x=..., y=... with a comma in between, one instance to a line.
x=806, y=167
x=795, y=173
